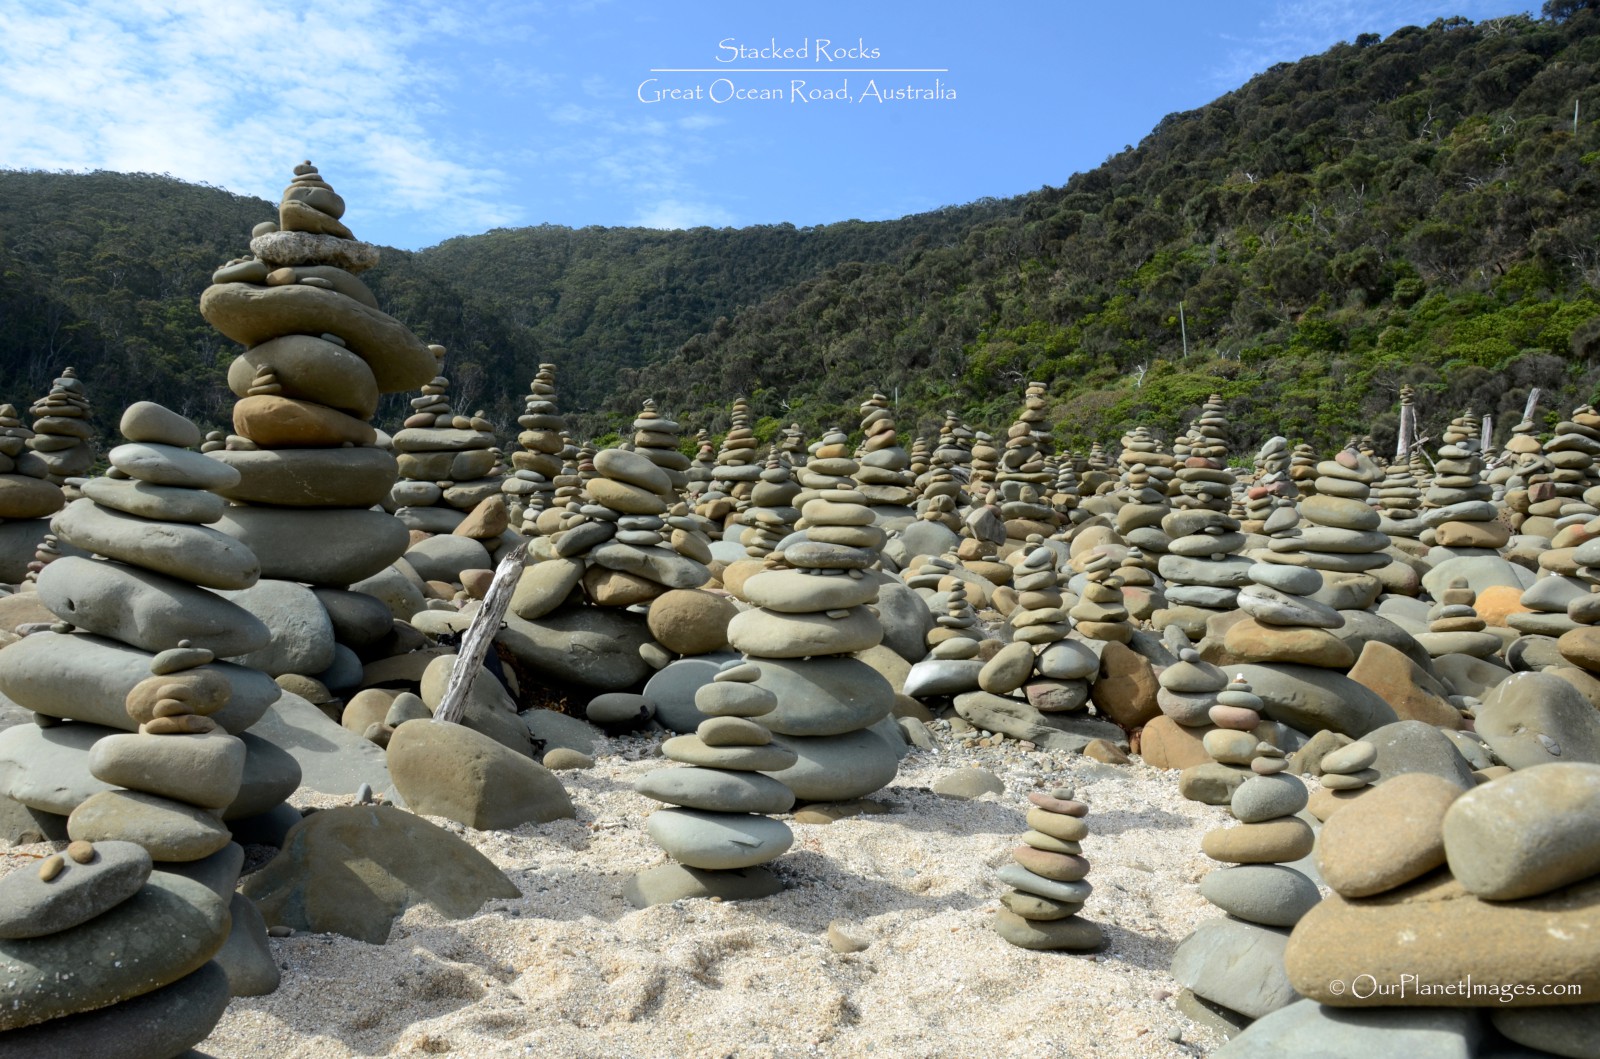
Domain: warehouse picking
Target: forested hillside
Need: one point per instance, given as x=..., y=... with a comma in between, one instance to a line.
x=1423, y=209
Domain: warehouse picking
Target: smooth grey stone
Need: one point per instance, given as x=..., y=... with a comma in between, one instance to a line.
x=1308, y=1030
x=196, y=554
x=620, y=709
x=60, y=974
x=673, y=688
x=331, y=546
x=31, y=907
x=673, y=882
x=1312, y=699
x=1415, y=746
x=218, y=873
x=170, y=830
x=1553, y=593
x=728, y=551
x=928, y=538
x=169, y=465
x=1232, y=572
x=48, y=768
x=593, y=647
x=1236, y=964
x=344, y=674
x=245, y=957
x=398, y=588
x=1271, y=607
x=1201, y=596
x=718, y=841
x=1362, y=626
x=332, y=759
x=201, y=770
x=1263, y=798
x=1020, y=878
x=161, y=502
x=654, y=564
x=1526, y=834
x=434, y=519
x=1467, y=511
x=359, y=619
x=906, y=621
x=302, y=633
x=716, y=790
x=558, y=730
x=1567, y=1029
x=838, y=767
x=445, y=556
x=943, y=676
x=162, y=1023
x=1481, y=572
x=405, y=861
x=1272, y=895
x=823, y=696
x=1052, y=731
x=271, y=774
x=968, y=783
x=1066, y=660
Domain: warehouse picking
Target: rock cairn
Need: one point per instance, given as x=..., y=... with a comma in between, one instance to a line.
x=810, y=615
x=1454, y=626
x=715, y=829
x=535, y=465
x=1459, y=511
x=1558, y=496
x=628, y=517
x=1147, y=475
x=882, y=476
x=318, y=355
x=1048, y=879
x=1024, y=483
x=1237, y=962
x=1099, y=613
x=1283, y=622
x=160, y=995
x=738, y=466
x=1341, y=539
x=27, y=497
x=63, y=437
x=1201, y=570
x=771, y=516
x=447, y=463
x=1272, y=488
x=985, y=461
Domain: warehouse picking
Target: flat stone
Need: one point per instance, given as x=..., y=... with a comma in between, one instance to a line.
x=838, y=767
x=48, y=768
x=167, y=930
x=1263, y=798
x=1276, y=841
x=1015, y=875
x=331, y=759
x=1412, y=746
x=593, y=647
x=994, y=713
x=943, y=676
x=718, y=841
x=823, y=696
x=200, y=770
x=674, y=882
x=1306, y=1028
x=1238, y=965
x=1067, y=660
x=968, y=783
x=169, y=830
x=768, y=634
x=798, y=592
x=196, y=554
x=452, y=771
x=301, y=631
x=1070, y=934
x=1526, y=834
x=1437, y=934
x=169, y=465
x=337, y=547
x=163, y=1022
x=1388, y=837
x=1312, y=699
x=654, y=564
x=443, y=557
x=311, y=369
x=691, y=750
x=31, y=907
x=162, y=502
x=716, y=790
x=353, y=870
x=1272, y=895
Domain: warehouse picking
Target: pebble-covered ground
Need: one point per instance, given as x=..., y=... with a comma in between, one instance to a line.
x=570, y=969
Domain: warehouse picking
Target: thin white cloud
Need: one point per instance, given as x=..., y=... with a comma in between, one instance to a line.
x=671, y=213
x=233, y=94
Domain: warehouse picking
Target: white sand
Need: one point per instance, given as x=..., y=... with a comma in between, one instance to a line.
x=571, y=969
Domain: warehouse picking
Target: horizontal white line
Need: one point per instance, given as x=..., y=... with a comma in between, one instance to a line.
x=794, y=70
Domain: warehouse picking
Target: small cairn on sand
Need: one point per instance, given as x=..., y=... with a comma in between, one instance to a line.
x=1048, y=877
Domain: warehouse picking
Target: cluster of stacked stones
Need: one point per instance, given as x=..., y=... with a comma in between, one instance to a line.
x=27, y=497
x=448, y=465
x=63, y=437
x=535, y=465
x=716, y=830
x=1202, y=571
x=1048, y=879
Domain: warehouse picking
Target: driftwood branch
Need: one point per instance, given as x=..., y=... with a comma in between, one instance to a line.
x=480, y=634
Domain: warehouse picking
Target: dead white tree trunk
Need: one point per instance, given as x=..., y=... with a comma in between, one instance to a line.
x=480, y=634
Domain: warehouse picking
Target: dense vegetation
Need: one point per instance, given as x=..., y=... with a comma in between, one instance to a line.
x=1421, y=209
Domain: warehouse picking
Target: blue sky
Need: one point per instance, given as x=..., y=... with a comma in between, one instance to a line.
x=449, y=118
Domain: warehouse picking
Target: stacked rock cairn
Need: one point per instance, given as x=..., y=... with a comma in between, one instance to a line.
x=1048, y=877
x=536, y=463
x=318, y=354
x=715, y=829
x=881, y=476
x=63, y=437
x=1236, y=962
x=448, y=464
x=27, y=497
x=1202, y=572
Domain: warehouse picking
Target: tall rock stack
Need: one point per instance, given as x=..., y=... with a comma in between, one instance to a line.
x=810, y=617
x=1283, y=623
x=1147, y=473
x=1341, y=538
x=27, y=497
x=704, y=462
x=882, y=477
x=920, y=455
x=738, y=465
x=447, y=462
x=635, y=562
x=985, y=461
x=1099, y=613
x=828, y=467
x=1237, y=962
x=716, y=828
x=1272, y=488
x=656, y=439
x=1303, y=469
x=1024, y=482
x=771, y=515
x=63, y=437
x=1399, y=496
x=318, y=355
x=1097, y=474
x=535, y=464
x=1064, y=497
x=1201, y=568
x=1459, y=511
x=1556, y=497
x=1048, y=877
